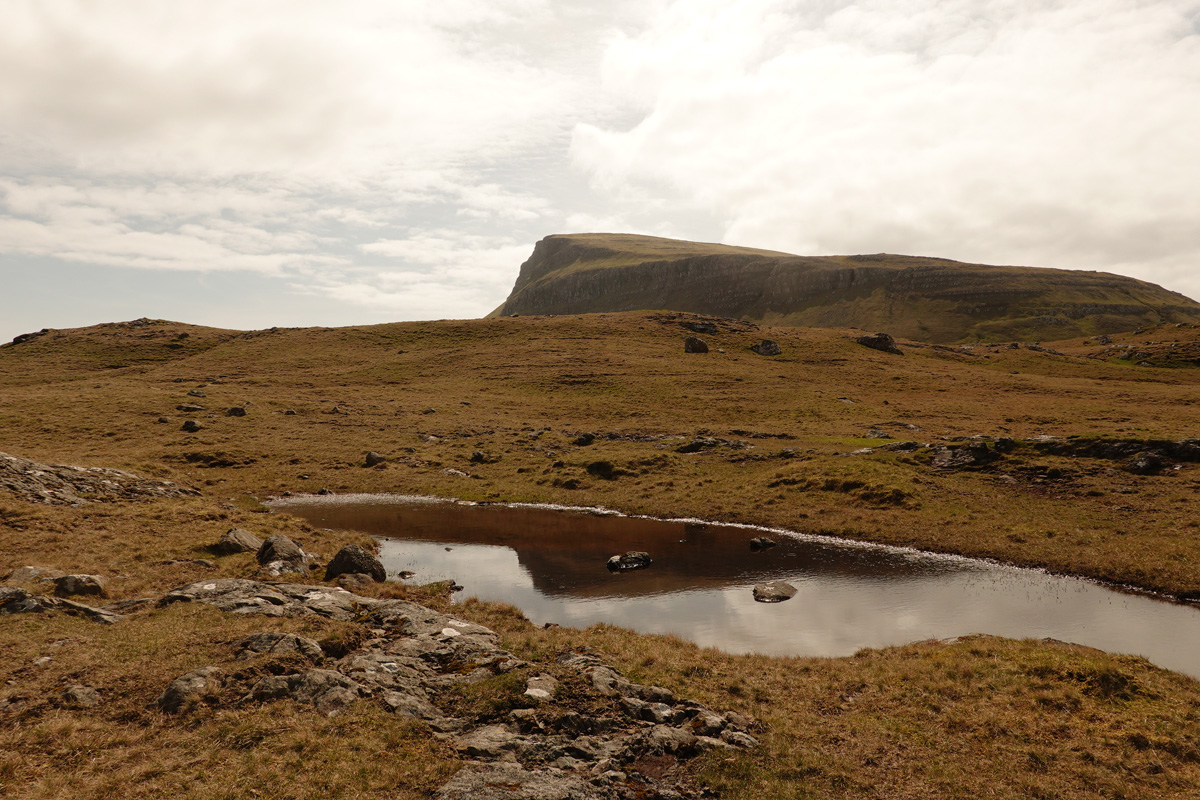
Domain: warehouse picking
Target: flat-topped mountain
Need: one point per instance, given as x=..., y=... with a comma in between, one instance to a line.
x=930, y=299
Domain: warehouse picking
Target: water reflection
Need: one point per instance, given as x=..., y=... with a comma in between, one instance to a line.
x=551, y=564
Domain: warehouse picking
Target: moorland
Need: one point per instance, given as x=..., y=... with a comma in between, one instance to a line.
x=1071, y=456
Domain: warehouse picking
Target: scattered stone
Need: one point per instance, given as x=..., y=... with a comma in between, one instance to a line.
x=458, y=473
x=189, y=408
x=761, y=543
x=351, y=559
x=289, y=412
x=80, y=697
x=237, y=540
x=191, y=426
x=196, y=393
x=372, y=459
x=880, y=341
x=236, y=411
x=766, y=347
x=634, y=559
x=604, y=470
x=29, y=337
x=190, y=689
x=700, y=327
x=480, y=457
x=354, y=580
x=584, y=439
x=14, y=600
x=69, y=585
x=693, y=344
x=878, y=433
x=774, y=592
x=66, y=485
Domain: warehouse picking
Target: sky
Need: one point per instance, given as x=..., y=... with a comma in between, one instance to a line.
x=253, y=163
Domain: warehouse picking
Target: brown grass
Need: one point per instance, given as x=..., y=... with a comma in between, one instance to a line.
x=982, y=717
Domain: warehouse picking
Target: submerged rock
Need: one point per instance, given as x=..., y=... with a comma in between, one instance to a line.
x=761, y=543
x=634, y=559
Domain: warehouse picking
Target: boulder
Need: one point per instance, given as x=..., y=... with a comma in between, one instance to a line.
x=279, y=555
x=189, y=408
x=634, y=559
x=80, y=697
x=774, y=592
x=372, y=459
x=69, y=585
x=236, y=540
x=700, y=327
x=196, y=393
x=191, y=426
x=584, y=439
x=1145, y=463
x=351, y=559
x=975, y=454
x=766, y=348
x=693, y=344
x=880, y=341
x=236, y=411
x=189, y=689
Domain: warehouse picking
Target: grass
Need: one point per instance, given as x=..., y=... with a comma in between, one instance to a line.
x=978, y=717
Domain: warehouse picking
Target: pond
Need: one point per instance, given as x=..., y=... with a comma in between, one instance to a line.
x=551, y=563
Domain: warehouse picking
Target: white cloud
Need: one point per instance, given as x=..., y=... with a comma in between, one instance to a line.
x=1055, y=134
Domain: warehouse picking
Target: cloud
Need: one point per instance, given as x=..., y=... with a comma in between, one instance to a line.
x=1055, y=134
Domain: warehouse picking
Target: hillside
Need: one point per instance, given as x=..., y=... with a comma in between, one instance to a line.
x=1078, y=456
x=928, y=299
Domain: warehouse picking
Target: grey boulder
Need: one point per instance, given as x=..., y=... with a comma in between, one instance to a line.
x=237, y=540
x=774, y=592
x=351, y=559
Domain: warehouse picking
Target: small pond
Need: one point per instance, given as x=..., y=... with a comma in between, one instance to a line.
x=551, y=563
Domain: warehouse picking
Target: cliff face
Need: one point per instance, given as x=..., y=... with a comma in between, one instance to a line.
x=928, y=299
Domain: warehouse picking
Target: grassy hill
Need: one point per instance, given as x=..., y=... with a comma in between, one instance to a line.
x=928, y=299
x=933, y=719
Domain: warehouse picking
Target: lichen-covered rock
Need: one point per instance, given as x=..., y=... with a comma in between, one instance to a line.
x=273, y=643
x=58, y=484
x=279, y=555
x=351, y=559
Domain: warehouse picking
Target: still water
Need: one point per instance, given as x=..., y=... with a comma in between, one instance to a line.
x=550, y=563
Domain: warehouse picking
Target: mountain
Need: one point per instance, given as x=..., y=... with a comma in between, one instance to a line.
x=928, y=299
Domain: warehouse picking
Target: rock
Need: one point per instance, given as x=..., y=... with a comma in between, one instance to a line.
x=277, y=643
x=584, y=439
x=634, y=559
x=1145, y=463
x=353, y=558
x=80, y=697
x=69, y=585
x=30, y=574
x=480, y=457
x=191, y=426
x=766, y=348
x=693, y=344
x=189, y=408
x=541, y=687
x=878, y=433
x=29, y=337
x=190, y=689
x=700, y=327
x=880, y=341
x=761, y=543
x=236, y=411
x=196, y=393
x=774, y=592
x=289, y=412
x=975, y=454
x=603, y=470
x=699, y=443
x=19, y=601
x=279, y=555
x=60, y=484
x=373, y=459
x=355, y=580
x=237, y=540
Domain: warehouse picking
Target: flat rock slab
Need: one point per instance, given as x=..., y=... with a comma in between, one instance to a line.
x=58, y=484
x=15, y=600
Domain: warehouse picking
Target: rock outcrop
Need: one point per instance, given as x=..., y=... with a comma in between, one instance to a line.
x=923, y=299
x=542, y=747
x=58, y=484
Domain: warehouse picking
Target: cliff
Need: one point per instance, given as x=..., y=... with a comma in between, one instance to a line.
x=929, y=299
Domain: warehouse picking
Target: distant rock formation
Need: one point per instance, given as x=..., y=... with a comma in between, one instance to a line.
x=926, y=299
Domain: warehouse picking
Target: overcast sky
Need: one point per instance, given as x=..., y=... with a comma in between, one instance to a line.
x=249, y=163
